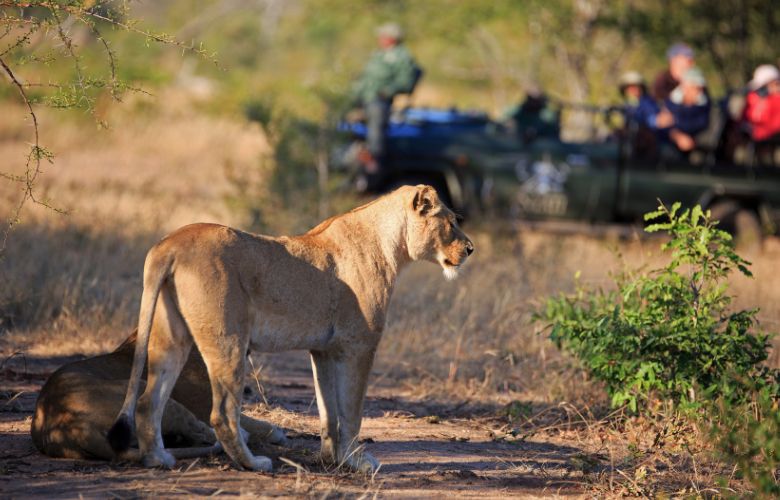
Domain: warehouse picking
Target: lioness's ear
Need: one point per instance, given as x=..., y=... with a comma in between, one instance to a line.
x=424, y=199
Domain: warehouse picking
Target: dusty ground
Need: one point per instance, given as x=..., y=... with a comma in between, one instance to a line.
x=426, y=448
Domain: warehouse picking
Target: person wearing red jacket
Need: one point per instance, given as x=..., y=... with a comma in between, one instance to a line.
x=762, y=109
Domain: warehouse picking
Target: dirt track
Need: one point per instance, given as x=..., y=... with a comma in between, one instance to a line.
x=426, y=448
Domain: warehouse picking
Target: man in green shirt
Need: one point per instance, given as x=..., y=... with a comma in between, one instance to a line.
x=390, y=71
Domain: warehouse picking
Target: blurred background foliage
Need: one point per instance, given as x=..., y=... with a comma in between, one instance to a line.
x=475, y=53
x=288, y=64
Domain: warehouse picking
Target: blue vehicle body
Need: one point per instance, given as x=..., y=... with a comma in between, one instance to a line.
x=426, y=122
x=481, y=166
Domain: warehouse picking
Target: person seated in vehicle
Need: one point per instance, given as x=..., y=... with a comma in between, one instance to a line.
x=640, y=111
x=762, y=109
x=535, y=117
x=639, y=106
x=761, y=116
x=681, y=58
x=390, y=71
x=686, y=112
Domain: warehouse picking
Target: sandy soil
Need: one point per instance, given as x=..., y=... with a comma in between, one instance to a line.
x=426, y=449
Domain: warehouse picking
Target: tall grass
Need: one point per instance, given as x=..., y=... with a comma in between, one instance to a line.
x=69, y=288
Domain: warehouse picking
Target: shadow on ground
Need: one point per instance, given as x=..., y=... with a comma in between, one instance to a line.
x=452, y=454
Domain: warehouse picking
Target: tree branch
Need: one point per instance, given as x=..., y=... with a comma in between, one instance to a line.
x=33, y=166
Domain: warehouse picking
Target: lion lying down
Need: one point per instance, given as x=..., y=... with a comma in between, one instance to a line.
x=79, y=402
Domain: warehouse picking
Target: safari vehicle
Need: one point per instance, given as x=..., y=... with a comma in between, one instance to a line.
x=527, y=171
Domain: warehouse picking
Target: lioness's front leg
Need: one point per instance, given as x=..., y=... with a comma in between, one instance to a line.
x=351, y=383
x=341, y=383
x=324, y=370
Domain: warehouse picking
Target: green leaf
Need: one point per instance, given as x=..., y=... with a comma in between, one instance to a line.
x=657, y=227
x=696, y=214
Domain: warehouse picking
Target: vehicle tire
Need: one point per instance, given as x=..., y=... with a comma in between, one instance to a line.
x=742, y=223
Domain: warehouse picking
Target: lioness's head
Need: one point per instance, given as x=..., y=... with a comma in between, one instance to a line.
x=433, y=233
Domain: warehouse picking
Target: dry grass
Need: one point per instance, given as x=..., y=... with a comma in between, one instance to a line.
x=147, y=173
x=71, y=284
x=75, y=279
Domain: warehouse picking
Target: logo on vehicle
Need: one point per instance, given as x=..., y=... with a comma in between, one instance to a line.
x=542, y=189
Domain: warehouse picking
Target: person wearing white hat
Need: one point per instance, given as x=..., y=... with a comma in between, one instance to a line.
x=640, y=111
x=640, y=107
x=762, y=109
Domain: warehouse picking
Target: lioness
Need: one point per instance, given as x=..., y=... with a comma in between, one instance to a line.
x=326, y=291
x=79, y=402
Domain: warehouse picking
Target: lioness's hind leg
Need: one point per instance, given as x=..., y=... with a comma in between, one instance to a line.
x=225, y=357
x=226, y=389
x=169, y=347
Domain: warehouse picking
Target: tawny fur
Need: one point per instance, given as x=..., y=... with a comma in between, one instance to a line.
x=79, y=402
x=326, y=292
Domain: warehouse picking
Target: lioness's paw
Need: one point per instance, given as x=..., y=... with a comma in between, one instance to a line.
x=158, y=458
x=203, y=435
x=261, y=464
x=364, y=463
x=278, y=437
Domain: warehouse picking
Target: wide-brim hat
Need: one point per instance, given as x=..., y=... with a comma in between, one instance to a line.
x=631, y=78
x=694, y=76
x=764, y=74
x=390, y=30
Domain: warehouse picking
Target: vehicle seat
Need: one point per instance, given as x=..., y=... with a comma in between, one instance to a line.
x=764, y=153
x=707, y=141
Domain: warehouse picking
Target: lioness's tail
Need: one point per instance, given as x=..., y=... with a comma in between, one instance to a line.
x=156, y=269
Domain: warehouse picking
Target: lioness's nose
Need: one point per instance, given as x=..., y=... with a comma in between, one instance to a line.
x=469, y=247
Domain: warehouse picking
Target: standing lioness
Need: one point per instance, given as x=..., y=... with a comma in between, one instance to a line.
x=326, y=291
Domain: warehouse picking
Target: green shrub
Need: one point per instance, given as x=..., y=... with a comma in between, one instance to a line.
x=669, y=333
x=748, y=435
x=666, y=333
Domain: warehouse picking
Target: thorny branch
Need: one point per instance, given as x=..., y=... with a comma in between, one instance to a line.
x=62, y=15
x=33, y=166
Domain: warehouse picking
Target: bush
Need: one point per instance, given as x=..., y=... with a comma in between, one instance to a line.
x=666, y=333
x=749, y=436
